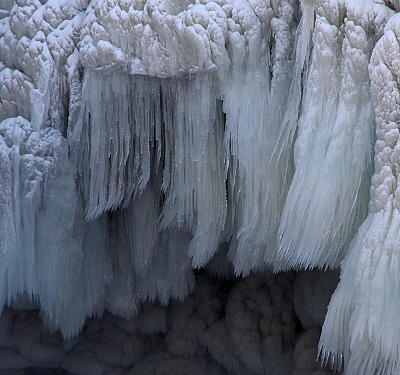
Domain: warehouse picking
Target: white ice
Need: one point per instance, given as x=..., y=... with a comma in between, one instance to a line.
x=362, y=322
x=142, y=139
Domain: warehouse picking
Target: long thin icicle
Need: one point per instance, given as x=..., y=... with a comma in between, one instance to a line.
x=194, y=177
x=121, y=116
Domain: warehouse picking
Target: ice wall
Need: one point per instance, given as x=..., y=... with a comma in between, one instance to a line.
x=140, y=140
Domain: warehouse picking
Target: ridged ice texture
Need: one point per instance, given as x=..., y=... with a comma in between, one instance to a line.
x=147, y=264
x=15, y=94
x=130, y=125
x=328, y=197
x=181, y=119
x=362, y=327
x=193, y=175
x=37, y=213
x=242, y=45
x=254, y=99
x=41, y=228
x=120, y=124
x=35, y=42
x=157, y=37
x=49, y=255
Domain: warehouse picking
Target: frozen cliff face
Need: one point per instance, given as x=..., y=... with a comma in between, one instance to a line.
x=140, y=140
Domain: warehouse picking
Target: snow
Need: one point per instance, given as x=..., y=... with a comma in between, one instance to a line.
x=145, y=143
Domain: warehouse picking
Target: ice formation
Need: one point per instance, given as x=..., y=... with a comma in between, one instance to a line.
x=362, y=322
x=140, y=140
x=334, y=134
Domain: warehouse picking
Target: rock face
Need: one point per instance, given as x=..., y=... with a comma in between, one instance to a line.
x=246, y=326
x=145, y=141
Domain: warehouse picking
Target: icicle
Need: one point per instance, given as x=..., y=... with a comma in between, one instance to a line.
x=171, y=274
x=7, y=226
x=39, y=257
x=24, y=199
x=184, y=127
x=195, y=187
x=301, y=55
x=38, y=248
x=254, y=106
x=121, y=115
x=147, y=264
x=59, y=258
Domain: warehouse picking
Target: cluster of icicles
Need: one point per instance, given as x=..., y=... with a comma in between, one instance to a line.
x=195, y=129
x=215, y=145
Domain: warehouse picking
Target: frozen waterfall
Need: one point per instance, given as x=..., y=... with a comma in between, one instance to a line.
x=143, y=142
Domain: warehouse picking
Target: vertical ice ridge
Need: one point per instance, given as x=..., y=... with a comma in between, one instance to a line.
x=301, y=56
x=34, y=164
x=254, y=107
x=148, y=264
x=195, y=197
x=335, y=127
x=7, y=231
x=36, y=39
x=116, y=135
x=195, y=194
x=183, y=132
x=362, y=326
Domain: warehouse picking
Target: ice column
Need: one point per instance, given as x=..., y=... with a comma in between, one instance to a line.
x=39, y=257
x=255, y=97
x=328, y=196
x=185, y=124
x=362, y=327
x=193, y=180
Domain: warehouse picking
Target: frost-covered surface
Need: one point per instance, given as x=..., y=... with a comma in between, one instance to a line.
x=142, y=139
x=233, y=48
x=362, y=322
x=37, y=215
x=247, y=327
x=335, y=138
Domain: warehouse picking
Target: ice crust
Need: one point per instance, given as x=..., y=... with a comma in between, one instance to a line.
x=140, y=140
